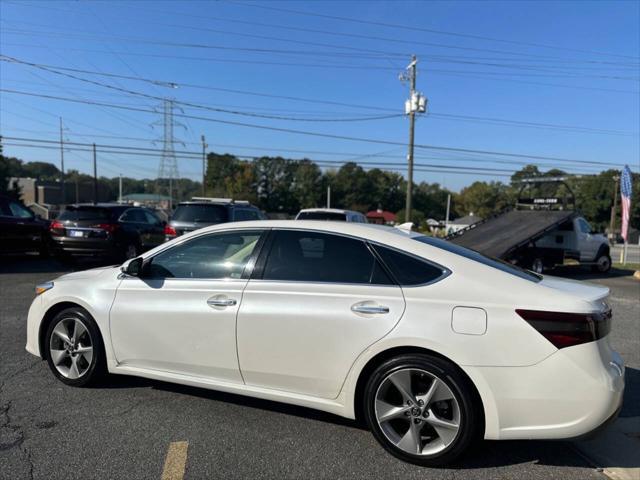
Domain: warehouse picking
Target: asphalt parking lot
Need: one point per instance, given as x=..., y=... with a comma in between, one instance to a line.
x=123, y=428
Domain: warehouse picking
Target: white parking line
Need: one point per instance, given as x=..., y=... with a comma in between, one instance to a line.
x=175, y=462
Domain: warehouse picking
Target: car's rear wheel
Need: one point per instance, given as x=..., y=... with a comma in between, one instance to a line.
x=74, y=348
x=421, y=409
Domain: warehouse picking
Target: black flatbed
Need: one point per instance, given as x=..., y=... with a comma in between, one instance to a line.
x=503, y=234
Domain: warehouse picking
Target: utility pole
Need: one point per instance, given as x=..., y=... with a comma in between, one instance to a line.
x=204, y=159
x=612, y=224
x=446, y=221
x=329, y=196
x=416, y=103
x=62, y=189
x=95, y=176
x=120, y=189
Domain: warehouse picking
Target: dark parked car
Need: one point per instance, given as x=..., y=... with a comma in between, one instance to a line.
x=201, y=212
x=21, y=230
x=107, y=230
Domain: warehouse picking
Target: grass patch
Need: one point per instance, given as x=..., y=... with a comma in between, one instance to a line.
x=628, y=266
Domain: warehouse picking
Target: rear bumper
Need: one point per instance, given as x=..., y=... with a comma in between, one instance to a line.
x=89, y=247
x=569, y=394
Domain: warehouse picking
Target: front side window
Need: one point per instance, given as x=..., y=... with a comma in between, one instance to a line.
x=215, y=256
x=409, y=270
x=320, y=257
x=19, y=211
x=584, y=226
x=151, y=218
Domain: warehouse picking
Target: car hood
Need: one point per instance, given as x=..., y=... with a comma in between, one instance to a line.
x=586, y=291
x=86, y=274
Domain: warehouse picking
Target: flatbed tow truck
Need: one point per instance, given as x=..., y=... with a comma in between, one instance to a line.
x=539, y=234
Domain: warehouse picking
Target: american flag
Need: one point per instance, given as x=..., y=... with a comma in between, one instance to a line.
x=625, y=193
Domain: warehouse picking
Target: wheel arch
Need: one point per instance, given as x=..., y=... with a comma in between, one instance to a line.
x=48, y=317
x=385, y=355
x=604, y=249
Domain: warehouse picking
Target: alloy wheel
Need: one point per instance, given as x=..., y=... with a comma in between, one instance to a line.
x=417, y=412
x=71, y=348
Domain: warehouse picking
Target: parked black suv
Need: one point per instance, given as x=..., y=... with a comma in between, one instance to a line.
x=201, y=212
x=105, y=230
x=21, y=230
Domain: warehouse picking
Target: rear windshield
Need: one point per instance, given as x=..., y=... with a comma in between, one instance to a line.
x=478, y=257
x=85, y=213
x=340, y=217
x=201, y=214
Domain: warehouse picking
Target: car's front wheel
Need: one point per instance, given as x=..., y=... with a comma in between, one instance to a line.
x=74, y=348
x=421, y=409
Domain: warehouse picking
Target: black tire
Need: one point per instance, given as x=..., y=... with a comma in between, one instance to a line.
x=470, y=410
x=603, y=263
x=537, y=265
x=97, y=366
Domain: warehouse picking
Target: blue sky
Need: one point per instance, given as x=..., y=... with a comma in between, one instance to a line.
x=569, y=64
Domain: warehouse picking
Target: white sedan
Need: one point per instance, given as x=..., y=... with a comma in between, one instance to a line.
x=432, y=344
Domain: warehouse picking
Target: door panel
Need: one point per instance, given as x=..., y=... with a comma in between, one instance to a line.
x=304, y=337
x=168, y=324
x=181, y=315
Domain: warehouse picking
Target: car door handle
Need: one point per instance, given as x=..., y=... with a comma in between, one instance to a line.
x=221, y=302
x=370, y=309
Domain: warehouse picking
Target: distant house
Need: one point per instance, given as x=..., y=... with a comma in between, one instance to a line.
x=462, y=222
x=381, y=217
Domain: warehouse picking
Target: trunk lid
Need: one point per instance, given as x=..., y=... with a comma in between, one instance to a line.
x=589, y=292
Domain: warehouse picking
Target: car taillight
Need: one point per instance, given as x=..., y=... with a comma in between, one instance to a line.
x=170, y=231
x=107, y=227
x=56, y=228
x=568, y=329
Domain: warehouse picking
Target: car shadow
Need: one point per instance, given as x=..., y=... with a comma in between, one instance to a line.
x=579, y=272
x=482, y=454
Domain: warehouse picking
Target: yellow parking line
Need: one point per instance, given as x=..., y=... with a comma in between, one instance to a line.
x=175, y=462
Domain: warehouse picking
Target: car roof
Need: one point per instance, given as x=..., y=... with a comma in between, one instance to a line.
x=101, y=205
x=217, y=203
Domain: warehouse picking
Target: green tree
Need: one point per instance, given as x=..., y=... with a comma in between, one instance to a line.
x=307, y=184
x=482, y=199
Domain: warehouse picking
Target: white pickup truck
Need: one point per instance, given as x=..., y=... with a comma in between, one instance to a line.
x=578, y=242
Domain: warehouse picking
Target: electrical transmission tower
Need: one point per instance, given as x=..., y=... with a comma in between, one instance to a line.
x=168, y=161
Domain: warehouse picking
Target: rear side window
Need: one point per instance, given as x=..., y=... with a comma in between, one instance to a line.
x=335, y=216
x=134, y=215
x=409, y=270
x=85, y=213
x=201, y=214
x=319, y=257
x=478, y=257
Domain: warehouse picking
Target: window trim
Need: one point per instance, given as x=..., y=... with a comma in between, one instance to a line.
x=246, y=272
x=445, y=271
x=258, y=271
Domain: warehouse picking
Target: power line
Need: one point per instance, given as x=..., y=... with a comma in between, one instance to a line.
x=499, y=121
x=428, y=30
x=464, y=74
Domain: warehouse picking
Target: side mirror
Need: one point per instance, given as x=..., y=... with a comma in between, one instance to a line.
x=132, y=267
